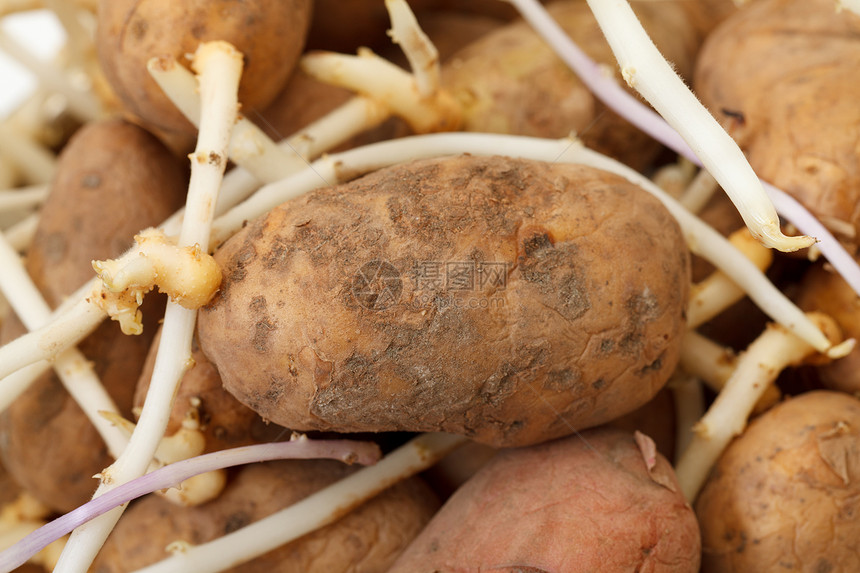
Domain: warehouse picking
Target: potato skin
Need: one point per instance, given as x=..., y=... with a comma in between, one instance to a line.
x=270, y=36
x=788, y=67
x=224, y=421
x=584, y=327
x=367, y=540
x=776, y=499
x=494, y=80
x=113, y=179
x=580, y=504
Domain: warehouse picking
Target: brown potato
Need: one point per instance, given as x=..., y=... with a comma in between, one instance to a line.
x=367, y=540
x=113, y=179
x=495, y=80
x=824, y=290
x=270, y=35
x=224, y=421
x=363, y=307
x=784, y=495
x=787, y=68
x=581, y=504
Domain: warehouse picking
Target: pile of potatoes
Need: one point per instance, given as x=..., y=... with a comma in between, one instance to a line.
x=537, y=309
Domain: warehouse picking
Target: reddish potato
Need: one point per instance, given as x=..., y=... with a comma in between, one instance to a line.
x=585, y=503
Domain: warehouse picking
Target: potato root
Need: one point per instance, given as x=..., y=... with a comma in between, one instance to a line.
x=113, y=177
x=506, y=300
x=367, y=539
x=130, y=32
x=494, y=80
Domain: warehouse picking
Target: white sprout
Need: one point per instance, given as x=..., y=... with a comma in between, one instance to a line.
x=675, y=177
x=219, y=67
x=71, y=366
x=699, y=192
x=757, y=368
x=187, y=442
x=648, y=72
x=718, y=292
x=639, y=115
x=23, y=198
x=35, y=162
x=387, y=83
x=422, y=55
x=20, y=235
x=850, y=5
x=249, y=146
x=299, y=447
x=65, y=330
x=714, y=365
x=315, y=511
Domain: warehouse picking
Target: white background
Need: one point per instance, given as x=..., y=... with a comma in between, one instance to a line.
x=40, y=32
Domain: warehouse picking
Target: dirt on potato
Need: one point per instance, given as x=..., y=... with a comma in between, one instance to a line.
x=506, y=300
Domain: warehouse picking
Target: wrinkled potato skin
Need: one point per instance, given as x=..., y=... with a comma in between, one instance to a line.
x=225, y=422
x=789, y=67
x=586, y=328
x=270, y=35
x=580, y=504
x=494, y=79
x=367, y=540
x=113, y=179
x=774, y=502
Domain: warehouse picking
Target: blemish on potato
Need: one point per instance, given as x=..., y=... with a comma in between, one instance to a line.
x=262, y=330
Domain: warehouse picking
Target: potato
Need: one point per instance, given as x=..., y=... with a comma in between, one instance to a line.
x=224, y=421
x=495, y=80
x=270, y=35
x=506, y=300
x=366, y=540
x=707, y=14
x=788, y=69
x=112, y=180
x=784, y=495
x=583, y=503
x=824, y=290
x=346, y=25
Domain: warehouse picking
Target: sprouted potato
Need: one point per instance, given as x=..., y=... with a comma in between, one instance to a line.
x=649, y=76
